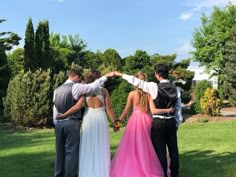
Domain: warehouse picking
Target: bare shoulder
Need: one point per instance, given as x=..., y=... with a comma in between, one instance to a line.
x=105, y=91
x=132, y=93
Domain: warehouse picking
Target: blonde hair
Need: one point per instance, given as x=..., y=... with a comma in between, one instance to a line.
x=143, y=96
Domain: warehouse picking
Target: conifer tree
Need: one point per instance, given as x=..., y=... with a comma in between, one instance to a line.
x=7, y=41
x=230, y=72
x=29, y=52
x=42, y=45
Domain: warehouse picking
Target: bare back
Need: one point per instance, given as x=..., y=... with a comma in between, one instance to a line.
x=95, y=100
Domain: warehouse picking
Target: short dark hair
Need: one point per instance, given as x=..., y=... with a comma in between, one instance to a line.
x=162, y=70
x=74, y=72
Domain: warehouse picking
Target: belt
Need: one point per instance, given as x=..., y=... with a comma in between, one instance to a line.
x=162, y=117
x=60, y=120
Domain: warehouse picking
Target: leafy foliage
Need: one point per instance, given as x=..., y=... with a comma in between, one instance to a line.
x=7, y=41
x=230, y=72
x=199, y=91
x=27, y=100
x=119, y=97
x=16, y=61
x=210, y=39
x=29, y=47
x=210, y=103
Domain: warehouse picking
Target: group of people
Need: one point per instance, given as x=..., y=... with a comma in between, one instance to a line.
x=148, y=147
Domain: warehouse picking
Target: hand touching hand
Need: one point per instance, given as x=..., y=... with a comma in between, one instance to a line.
x=110, y=74
x=116, y=129
x=116, y=73
x=171, y=110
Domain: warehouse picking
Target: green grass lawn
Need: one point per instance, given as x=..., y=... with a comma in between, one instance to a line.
x=206, y=150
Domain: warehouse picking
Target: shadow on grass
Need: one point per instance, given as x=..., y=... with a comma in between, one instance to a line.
x=27, y=154
x=27, y=165
x=25, y=139
x=204, y=163
x=207, y=164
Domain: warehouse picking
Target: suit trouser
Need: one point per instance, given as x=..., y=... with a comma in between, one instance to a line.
x=67, y=148
x=164, y=134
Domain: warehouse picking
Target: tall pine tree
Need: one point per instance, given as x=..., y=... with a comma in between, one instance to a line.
x=29, y=52
x=42, y=45
x=230, y=72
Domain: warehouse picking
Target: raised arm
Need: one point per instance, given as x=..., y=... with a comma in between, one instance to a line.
x=149, y=87
x=158, y=111
x=79, y=89
x=127, y=106
x=109, y=109
x=73, y=109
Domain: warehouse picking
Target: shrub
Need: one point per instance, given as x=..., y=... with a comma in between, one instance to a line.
x=27, y=102
x=119, y=97
x=199, y=91
x=210, y=102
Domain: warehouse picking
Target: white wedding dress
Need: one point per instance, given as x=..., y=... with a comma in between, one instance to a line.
x=94, y=158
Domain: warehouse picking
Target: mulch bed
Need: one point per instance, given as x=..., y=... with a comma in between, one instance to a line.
x=204, y=118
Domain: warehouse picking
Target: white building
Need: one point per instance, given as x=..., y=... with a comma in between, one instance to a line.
x=201, y=74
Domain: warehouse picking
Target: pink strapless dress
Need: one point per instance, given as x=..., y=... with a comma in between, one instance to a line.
x=135, y=156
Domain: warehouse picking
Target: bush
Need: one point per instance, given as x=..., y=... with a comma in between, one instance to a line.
x=27, y=102
x=118, y=99
x=210, y=102
x=199, y=91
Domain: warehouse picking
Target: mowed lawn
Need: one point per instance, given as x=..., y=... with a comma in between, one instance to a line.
x=206, y=150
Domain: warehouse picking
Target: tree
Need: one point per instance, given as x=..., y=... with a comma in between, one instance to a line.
x=29, y=52
x=137, y=62
x=91, y=60
x=78, y=46
x=112, y=58
x=209, y=39
x=16, y=61
x=230, y=73
x=166, y=59
x=42, y=46
x=28, y=98
x=7, y=41
x=66, y=50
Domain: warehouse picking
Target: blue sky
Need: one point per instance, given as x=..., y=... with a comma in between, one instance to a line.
x=156, y=26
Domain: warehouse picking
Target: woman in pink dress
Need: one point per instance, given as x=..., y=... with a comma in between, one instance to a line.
x=135, y=156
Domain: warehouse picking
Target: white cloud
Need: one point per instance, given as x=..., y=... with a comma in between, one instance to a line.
x=184, y=50
x=185, y=16
x=203, y=5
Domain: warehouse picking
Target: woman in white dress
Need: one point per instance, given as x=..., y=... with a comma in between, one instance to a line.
x=94, y=158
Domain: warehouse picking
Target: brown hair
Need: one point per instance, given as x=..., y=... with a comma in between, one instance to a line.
x=92, y=76
x=74, y=72
x=143, y=101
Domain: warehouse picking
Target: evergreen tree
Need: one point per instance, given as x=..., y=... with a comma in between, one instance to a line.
x=16, y=61
x=4, y=76
x=29, y=52
x=42, y=45
x=46, y=45
x=230, y=72
x=7, y=41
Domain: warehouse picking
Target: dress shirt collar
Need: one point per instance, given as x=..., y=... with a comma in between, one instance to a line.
x=164, y=81
x=69, y=81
